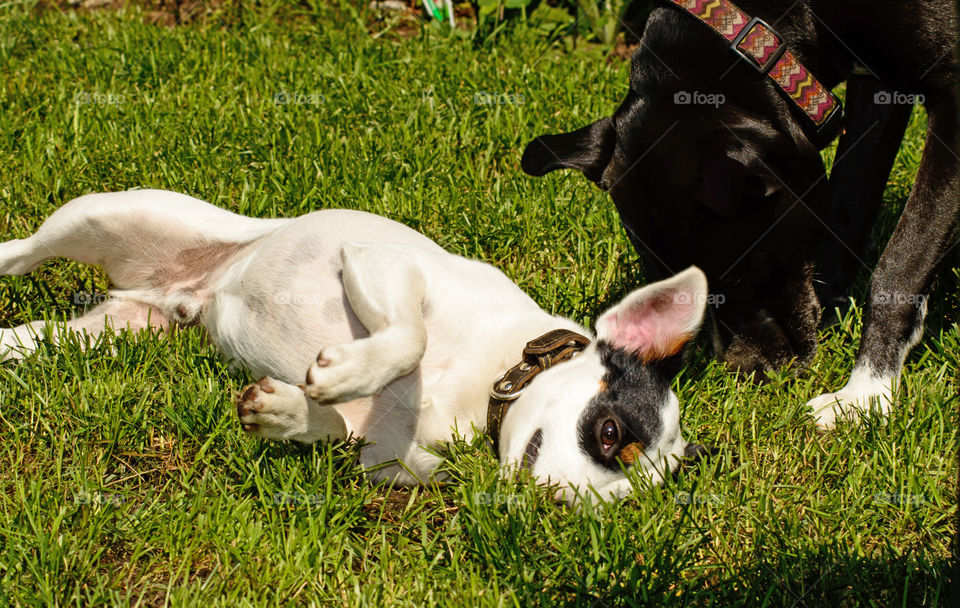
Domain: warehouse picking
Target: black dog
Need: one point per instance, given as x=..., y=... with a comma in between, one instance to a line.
x=709, y=163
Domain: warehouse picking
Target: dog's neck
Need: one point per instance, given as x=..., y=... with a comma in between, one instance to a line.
x=540, y=354
x=803, y=26
x=519, y=330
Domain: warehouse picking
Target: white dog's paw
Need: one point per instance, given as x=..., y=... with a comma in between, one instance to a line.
x=863, y=393
x=340, y=374
x=273, y=410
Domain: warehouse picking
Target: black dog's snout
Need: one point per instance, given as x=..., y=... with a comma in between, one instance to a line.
x=694, y=452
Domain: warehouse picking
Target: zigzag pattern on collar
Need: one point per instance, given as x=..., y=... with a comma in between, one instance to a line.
x=758, y=45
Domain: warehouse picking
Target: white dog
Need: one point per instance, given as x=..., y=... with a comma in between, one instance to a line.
x=410, y=338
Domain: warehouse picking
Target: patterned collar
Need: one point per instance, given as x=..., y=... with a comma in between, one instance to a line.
x=760, y=46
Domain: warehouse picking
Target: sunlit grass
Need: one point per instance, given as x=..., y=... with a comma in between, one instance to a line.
x=124, y=476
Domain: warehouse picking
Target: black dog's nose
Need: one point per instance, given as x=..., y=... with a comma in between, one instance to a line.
x=694, y=453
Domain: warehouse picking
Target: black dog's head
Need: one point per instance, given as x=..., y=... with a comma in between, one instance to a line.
x=707, y=167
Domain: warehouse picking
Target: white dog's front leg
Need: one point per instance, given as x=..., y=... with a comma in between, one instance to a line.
x=385, y=289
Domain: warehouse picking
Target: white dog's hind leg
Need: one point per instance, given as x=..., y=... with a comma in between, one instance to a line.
x=274, y=410
x=142, y=238
x=385, y=288
x=17, y=342
x=159, y=247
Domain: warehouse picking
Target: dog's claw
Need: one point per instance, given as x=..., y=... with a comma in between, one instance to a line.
x=275, y=410
x=317, y=385
x=248, y=402
x=265, y=385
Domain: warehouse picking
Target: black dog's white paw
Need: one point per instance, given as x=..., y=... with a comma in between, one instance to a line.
x=863, y=393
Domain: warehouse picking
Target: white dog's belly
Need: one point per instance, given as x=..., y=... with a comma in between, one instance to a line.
x=282, y=301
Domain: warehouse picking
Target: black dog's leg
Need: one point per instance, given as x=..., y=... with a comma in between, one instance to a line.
x=864, y=159
x=898, y=291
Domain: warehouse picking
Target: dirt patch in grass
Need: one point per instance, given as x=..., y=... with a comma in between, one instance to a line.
x=163, y=12
x=389, y=19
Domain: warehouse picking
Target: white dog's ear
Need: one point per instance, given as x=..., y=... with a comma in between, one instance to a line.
x=655, y=321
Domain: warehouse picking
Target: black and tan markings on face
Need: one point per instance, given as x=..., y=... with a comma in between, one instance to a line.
x=624, y=418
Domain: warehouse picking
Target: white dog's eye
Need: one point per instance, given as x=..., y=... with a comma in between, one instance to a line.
x=609, y=434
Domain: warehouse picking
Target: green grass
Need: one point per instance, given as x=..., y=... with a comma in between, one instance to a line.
x=124, y=476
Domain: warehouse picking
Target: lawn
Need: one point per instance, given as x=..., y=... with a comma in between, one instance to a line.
x=126, y=480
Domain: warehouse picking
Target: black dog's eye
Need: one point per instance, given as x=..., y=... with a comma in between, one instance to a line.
x=609, y=434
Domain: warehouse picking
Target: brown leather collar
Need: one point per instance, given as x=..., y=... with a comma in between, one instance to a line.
x=539, y=354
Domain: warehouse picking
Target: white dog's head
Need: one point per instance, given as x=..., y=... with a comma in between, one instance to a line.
x=581, y=422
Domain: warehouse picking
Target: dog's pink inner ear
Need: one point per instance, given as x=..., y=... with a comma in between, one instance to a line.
x=651, y=331
x=656, y=321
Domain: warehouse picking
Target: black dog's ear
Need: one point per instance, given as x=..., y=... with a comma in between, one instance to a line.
x=736, y=171
x=587, y=149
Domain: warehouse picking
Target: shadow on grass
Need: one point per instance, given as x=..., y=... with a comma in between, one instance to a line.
x=779, y=575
